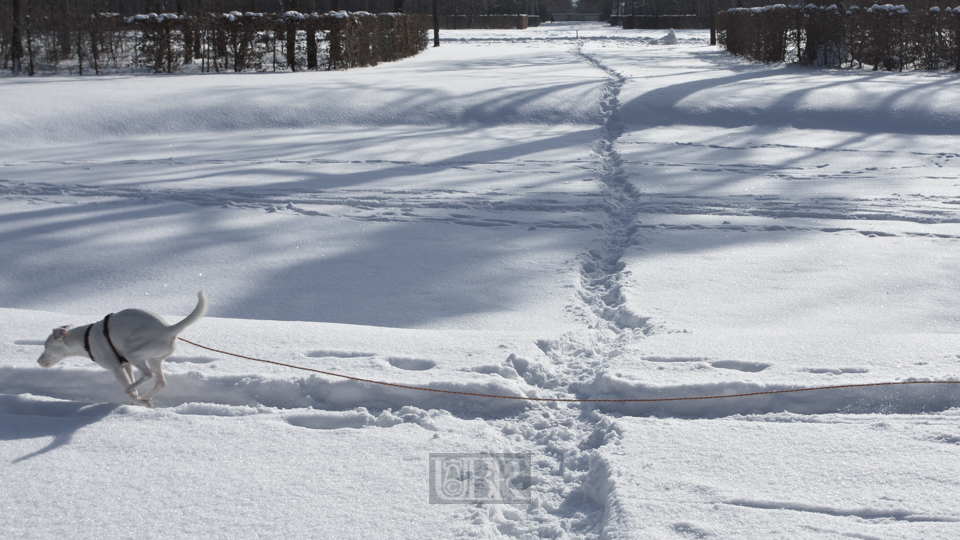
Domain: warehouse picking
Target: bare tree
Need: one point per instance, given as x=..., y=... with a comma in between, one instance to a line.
x=436, y=24
x=16, y=47
x=713, y=22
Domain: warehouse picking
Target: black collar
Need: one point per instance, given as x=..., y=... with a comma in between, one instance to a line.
x=86, y=342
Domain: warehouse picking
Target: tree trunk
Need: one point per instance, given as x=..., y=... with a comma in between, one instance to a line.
x=311, y=48
x=29, y=49
x=292, y=46
x=79, y=49
x=16, y=49
x=436, y=24
x=713, y=22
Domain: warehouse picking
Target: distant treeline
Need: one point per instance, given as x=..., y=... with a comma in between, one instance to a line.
x=660, y=22
x=488, y=22
x=167, y=43
x=883, y=37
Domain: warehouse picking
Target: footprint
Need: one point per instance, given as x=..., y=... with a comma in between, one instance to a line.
x=214, y=409
x=332, y=420
x=505, y=371
x=947, y=438
x=411, y=364
x=749, y=367
x=190, y=360
x=547, y=345
x=674, y=359
x=687, y=530
x=339, y=354
x=837, y=371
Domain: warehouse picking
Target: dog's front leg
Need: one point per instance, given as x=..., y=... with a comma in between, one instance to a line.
x=128, y=371
x=132, y=388
x=124, y=375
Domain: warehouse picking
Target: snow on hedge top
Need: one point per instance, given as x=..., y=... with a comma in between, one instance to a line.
x=889, y=8
x=234, y=16
x=151, y=17
x=761, y=9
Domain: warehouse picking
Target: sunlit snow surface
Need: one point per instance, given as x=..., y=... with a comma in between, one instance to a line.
x=565, y=211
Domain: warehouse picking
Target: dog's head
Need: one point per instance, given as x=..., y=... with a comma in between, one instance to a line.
x=55, y=348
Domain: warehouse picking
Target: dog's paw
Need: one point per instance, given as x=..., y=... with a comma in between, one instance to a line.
x=141, y=402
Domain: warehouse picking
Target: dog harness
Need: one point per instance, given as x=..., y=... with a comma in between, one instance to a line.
x=106, y=333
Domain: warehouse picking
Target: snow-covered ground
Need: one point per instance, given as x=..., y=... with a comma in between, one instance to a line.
x=568, y=211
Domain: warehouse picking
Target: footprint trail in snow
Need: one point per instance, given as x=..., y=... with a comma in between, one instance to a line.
x=570, y=489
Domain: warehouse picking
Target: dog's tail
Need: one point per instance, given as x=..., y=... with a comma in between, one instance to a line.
x=192, y=317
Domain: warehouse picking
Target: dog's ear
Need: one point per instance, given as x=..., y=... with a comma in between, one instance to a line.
x=61, y=331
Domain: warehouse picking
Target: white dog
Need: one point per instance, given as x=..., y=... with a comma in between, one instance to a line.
x=122, y=341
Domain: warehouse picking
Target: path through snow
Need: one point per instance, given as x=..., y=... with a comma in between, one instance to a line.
x=565, y=438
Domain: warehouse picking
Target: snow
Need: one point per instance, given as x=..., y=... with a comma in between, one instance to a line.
x=519, y=213
x=889, y=8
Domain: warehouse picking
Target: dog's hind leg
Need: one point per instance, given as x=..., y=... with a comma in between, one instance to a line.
x=156, y=365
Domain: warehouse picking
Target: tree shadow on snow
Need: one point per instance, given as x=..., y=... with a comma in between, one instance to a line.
x=445, y=269
x=898, y=108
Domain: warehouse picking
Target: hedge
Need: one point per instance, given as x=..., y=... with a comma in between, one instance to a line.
x=883, y=37
x=167, y=43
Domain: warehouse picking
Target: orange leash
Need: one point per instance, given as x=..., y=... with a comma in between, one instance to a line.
x=568, y=400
